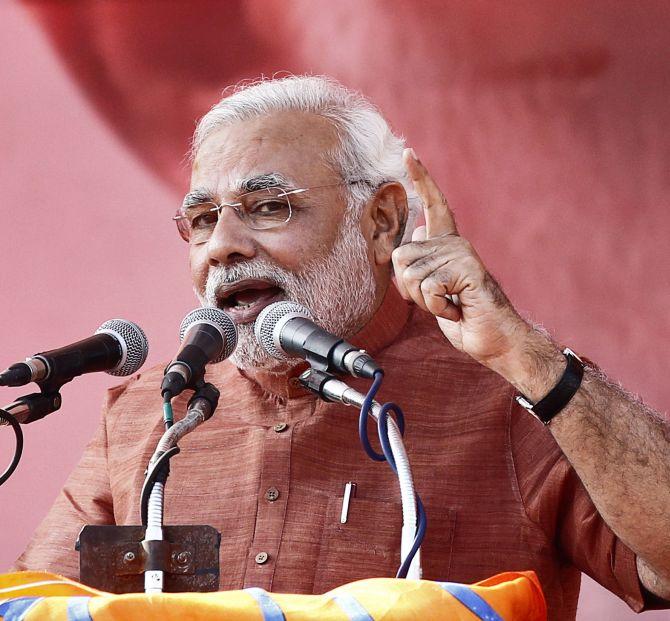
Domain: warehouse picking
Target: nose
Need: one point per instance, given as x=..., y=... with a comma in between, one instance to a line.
x=231, y=241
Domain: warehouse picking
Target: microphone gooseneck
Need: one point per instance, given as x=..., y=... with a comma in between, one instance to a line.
x=286, y=330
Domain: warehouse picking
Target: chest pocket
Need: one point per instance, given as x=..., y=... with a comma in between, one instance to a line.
x=368, y=544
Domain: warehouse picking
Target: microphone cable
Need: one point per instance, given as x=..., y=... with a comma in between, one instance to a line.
x=18, y=448
x=387, y=455
x=168, y=414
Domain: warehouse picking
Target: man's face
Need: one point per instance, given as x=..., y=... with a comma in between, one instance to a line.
x=319, y=258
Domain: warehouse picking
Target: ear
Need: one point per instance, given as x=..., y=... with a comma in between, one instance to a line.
x=386, y=216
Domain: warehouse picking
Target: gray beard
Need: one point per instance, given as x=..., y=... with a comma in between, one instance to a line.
x=338, y=288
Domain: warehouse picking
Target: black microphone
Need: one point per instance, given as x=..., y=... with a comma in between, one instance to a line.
x=208, y=335
x=286, y=330
x=118, y=347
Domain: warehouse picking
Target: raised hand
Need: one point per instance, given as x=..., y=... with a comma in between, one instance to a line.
x=441, y=272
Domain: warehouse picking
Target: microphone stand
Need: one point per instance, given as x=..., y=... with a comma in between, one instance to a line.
x=329, y=388
x=200, y=408
x=152, y=557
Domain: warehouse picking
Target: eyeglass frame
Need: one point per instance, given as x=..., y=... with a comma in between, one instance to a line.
x=218, y=207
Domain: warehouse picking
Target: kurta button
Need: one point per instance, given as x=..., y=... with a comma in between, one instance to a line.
x=262, y=558
x=279, y=427
x=294, y=382
x=272, y=494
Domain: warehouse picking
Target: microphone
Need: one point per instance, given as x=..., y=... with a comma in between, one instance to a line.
x=118, y=347
x=208, y=335
x=286, y=330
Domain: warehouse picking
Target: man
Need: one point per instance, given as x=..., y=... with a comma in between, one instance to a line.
x=300, y=191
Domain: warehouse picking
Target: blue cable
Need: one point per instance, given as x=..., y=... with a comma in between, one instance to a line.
x=382, y=430
x=420, y=534
x=363, y=418
x=387, y=456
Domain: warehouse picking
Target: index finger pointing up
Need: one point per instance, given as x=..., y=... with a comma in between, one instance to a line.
x=439, y=219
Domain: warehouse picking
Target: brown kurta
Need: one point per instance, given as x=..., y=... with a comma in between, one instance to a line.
x=499, y=494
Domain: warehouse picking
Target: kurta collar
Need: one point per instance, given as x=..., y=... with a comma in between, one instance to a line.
x=378, y=333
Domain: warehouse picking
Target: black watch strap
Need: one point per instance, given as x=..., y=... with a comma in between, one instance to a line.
x=559, y=396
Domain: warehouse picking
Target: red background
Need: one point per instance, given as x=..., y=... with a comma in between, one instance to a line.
x=544, y=122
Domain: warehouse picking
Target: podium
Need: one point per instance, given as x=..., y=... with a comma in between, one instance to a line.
x=30, y=596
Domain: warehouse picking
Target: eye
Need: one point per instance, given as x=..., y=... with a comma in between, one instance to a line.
x=203, y=216
x=270, y=207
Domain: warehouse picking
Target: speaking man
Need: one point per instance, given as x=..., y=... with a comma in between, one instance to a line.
x=300, y=191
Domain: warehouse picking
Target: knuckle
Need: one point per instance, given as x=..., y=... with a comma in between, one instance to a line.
x=397, y=255
x=412, y=273
x=435, y=282
x=428, y=286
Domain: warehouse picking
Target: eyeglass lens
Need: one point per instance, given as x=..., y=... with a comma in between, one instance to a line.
x=261, y=209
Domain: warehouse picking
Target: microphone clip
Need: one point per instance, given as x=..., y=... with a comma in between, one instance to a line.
x=315, y=380
x=32, y=407
x=206, y=392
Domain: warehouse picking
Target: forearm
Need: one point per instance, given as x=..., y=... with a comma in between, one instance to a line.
x=619, y=448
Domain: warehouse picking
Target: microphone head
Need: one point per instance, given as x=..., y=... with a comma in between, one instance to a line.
x=217, y=318
x=133, y=343
x=270, y=322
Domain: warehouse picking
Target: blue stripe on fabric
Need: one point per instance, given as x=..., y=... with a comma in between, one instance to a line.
x=473, y=602
x=77, y=609
x=16, y=609
x=352, y=607
x=269, y=608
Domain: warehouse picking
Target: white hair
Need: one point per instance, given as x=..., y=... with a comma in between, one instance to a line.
x=369, y=153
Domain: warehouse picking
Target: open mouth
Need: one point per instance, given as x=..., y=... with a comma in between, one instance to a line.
x=246, y=298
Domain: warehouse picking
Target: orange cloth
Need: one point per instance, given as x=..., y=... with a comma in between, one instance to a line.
x=511, y=595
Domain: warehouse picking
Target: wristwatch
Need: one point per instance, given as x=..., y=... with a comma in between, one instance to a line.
x=559, y=396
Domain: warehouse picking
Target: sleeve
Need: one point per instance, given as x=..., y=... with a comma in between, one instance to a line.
x=555, y=499
x=86, y=498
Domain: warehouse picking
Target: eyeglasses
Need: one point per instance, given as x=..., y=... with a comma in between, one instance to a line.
x=263, y=209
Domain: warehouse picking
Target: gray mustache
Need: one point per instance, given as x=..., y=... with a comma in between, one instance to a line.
x=228, y=275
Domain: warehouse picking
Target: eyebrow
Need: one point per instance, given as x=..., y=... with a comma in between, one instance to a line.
x=240, y=186
x=198, y=196
x=260, y=182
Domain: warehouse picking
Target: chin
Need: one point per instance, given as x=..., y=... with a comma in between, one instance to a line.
x=250, y=355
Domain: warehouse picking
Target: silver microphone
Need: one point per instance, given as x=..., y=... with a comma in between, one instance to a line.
x=286, y=330
x=208, y=335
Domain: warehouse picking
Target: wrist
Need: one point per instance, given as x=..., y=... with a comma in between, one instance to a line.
x=533, y=364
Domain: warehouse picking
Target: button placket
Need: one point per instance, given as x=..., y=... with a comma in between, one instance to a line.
x=273, y=494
